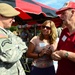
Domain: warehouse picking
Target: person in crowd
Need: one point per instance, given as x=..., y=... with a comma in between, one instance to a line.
x=11, y=46
x=24, y=35
x=59, y=29
x=65, y=52
x=40, y=49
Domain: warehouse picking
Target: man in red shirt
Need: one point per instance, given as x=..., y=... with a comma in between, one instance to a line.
x=66, y=47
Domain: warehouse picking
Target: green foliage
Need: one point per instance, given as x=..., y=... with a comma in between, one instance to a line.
x=13, y=28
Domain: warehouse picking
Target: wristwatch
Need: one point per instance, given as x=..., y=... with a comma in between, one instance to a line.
x=66, y=54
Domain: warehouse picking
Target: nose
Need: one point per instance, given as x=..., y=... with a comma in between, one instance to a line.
x=13, y=20
x=45, y=28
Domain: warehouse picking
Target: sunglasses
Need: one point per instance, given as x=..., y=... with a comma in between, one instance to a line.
x=46, y=27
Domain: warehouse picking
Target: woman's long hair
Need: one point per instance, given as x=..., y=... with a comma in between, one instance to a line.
x=53, y=34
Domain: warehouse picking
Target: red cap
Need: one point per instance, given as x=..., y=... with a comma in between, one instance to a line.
x=66, y=6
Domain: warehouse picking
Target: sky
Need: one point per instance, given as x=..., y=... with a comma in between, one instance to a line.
x=57, y=4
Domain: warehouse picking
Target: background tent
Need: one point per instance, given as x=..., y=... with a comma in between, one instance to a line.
x=32, y=11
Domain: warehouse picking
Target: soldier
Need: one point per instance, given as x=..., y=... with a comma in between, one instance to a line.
x=11, y=46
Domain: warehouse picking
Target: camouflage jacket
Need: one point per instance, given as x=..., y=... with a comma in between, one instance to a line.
x=11, y=51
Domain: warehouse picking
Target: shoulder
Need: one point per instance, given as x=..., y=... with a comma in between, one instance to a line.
x=35, y=37
x=3, y=34
x=64, y=32
x=65, y=29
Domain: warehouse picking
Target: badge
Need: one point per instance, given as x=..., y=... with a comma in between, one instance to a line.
x=42, y=44
x=64, y=38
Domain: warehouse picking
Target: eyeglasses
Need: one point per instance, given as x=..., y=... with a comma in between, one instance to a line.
x=46, y=27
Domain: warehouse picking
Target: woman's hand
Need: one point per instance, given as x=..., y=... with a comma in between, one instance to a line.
x=43, y=52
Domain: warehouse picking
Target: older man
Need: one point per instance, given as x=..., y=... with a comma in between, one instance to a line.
x=66, y=47
x=11, y=46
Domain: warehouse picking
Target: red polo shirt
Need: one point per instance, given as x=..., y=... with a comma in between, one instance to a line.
x=66, y=42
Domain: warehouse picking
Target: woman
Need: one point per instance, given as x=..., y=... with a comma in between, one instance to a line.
x=40, y=49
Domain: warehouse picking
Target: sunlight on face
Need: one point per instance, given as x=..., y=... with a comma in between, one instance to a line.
x=7, y=22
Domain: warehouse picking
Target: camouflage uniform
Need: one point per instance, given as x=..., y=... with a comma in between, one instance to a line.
x=11, y=50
